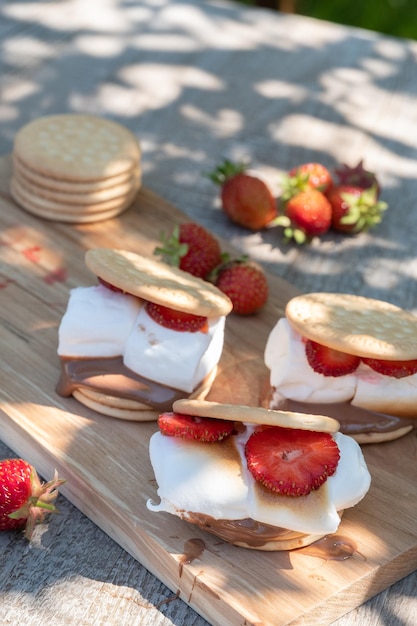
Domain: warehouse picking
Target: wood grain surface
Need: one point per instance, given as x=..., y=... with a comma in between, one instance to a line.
x=106, y=462
x=196, y=82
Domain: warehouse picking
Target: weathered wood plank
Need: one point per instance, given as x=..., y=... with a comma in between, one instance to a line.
x=106, y=461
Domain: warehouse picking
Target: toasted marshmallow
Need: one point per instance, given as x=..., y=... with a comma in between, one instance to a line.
x=97, y=322
x=176, y=359
x=103, y=323
x=293, y=377
x=213, y=480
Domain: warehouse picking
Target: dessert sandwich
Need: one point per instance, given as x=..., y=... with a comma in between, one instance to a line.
x=256, y=478
x=347, y=356
x=145, y=335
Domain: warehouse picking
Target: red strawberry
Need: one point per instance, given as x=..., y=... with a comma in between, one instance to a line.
x=330, y=362
x=357, y=176
x=110, y=286
x=203, y=429
x=306, y=215
x=396, y=369
x=244, y=282
x=24, y=500
x=355, y=209
x=246, y=199
x=307, y=176
x=176, y=320
x=291, y=462
x=192, y=248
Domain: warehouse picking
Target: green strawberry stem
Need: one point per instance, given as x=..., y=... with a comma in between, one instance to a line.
x=365, y=211
x=172, y=250
x=41, y=502
x=292, y=185
x=290, y=232
x=226, y=262
x=227, y=169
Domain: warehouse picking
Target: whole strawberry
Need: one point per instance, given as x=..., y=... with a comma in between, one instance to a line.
x=24, y=500
x=306, y=176
x=192, y=248
x=245, y=199
x=244, y=282
x=355, y=209
x=357, y=176
x=306, y=215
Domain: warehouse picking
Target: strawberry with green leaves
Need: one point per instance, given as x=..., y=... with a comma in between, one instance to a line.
x=291, y=462
x=24, y=500
x=190, y=247
x=305, y=215
x=244, y=282
x=306, y=176
x=357, y=176
x=204, y=429
x=355, y=209
x=245, y=198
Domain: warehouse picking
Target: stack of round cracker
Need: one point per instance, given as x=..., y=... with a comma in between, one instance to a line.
x=75, y=168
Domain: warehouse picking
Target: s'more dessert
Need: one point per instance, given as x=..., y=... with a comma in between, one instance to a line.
x=75, y=168
x=257, y=478
x=349, y=357
x=145, y=335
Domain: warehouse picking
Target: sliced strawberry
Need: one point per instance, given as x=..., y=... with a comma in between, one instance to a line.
x=203, y=429
x=176, y=320
x=291, y=462
x=396, y=369
x=330, y=362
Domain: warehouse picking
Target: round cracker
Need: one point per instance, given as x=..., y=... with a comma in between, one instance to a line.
x=113, y=401
x=69, y=216
x=157, y=282
x=72, y=186
x=257, y=415
x=67, y=207
x=124, y=408
x=373, y=437
x=354, y=324
x=76, y=198
x=133, y=415
x=76, y=147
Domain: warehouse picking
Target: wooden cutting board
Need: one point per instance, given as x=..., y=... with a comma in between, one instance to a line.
x=105, y=461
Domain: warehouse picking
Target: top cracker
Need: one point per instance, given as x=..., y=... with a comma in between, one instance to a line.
x=157, y=282
x=77, y=147
x=256, y=415
x=354, y=324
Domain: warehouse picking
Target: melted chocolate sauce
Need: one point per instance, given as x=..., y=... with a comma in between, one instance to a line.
x=193, y=549
x=353, y=420
x=111, y=377
x=331, y=548
x=249, y=531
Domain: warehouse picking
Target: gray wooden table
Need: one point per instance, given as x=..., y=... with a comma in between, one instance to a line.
x=199, y=81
